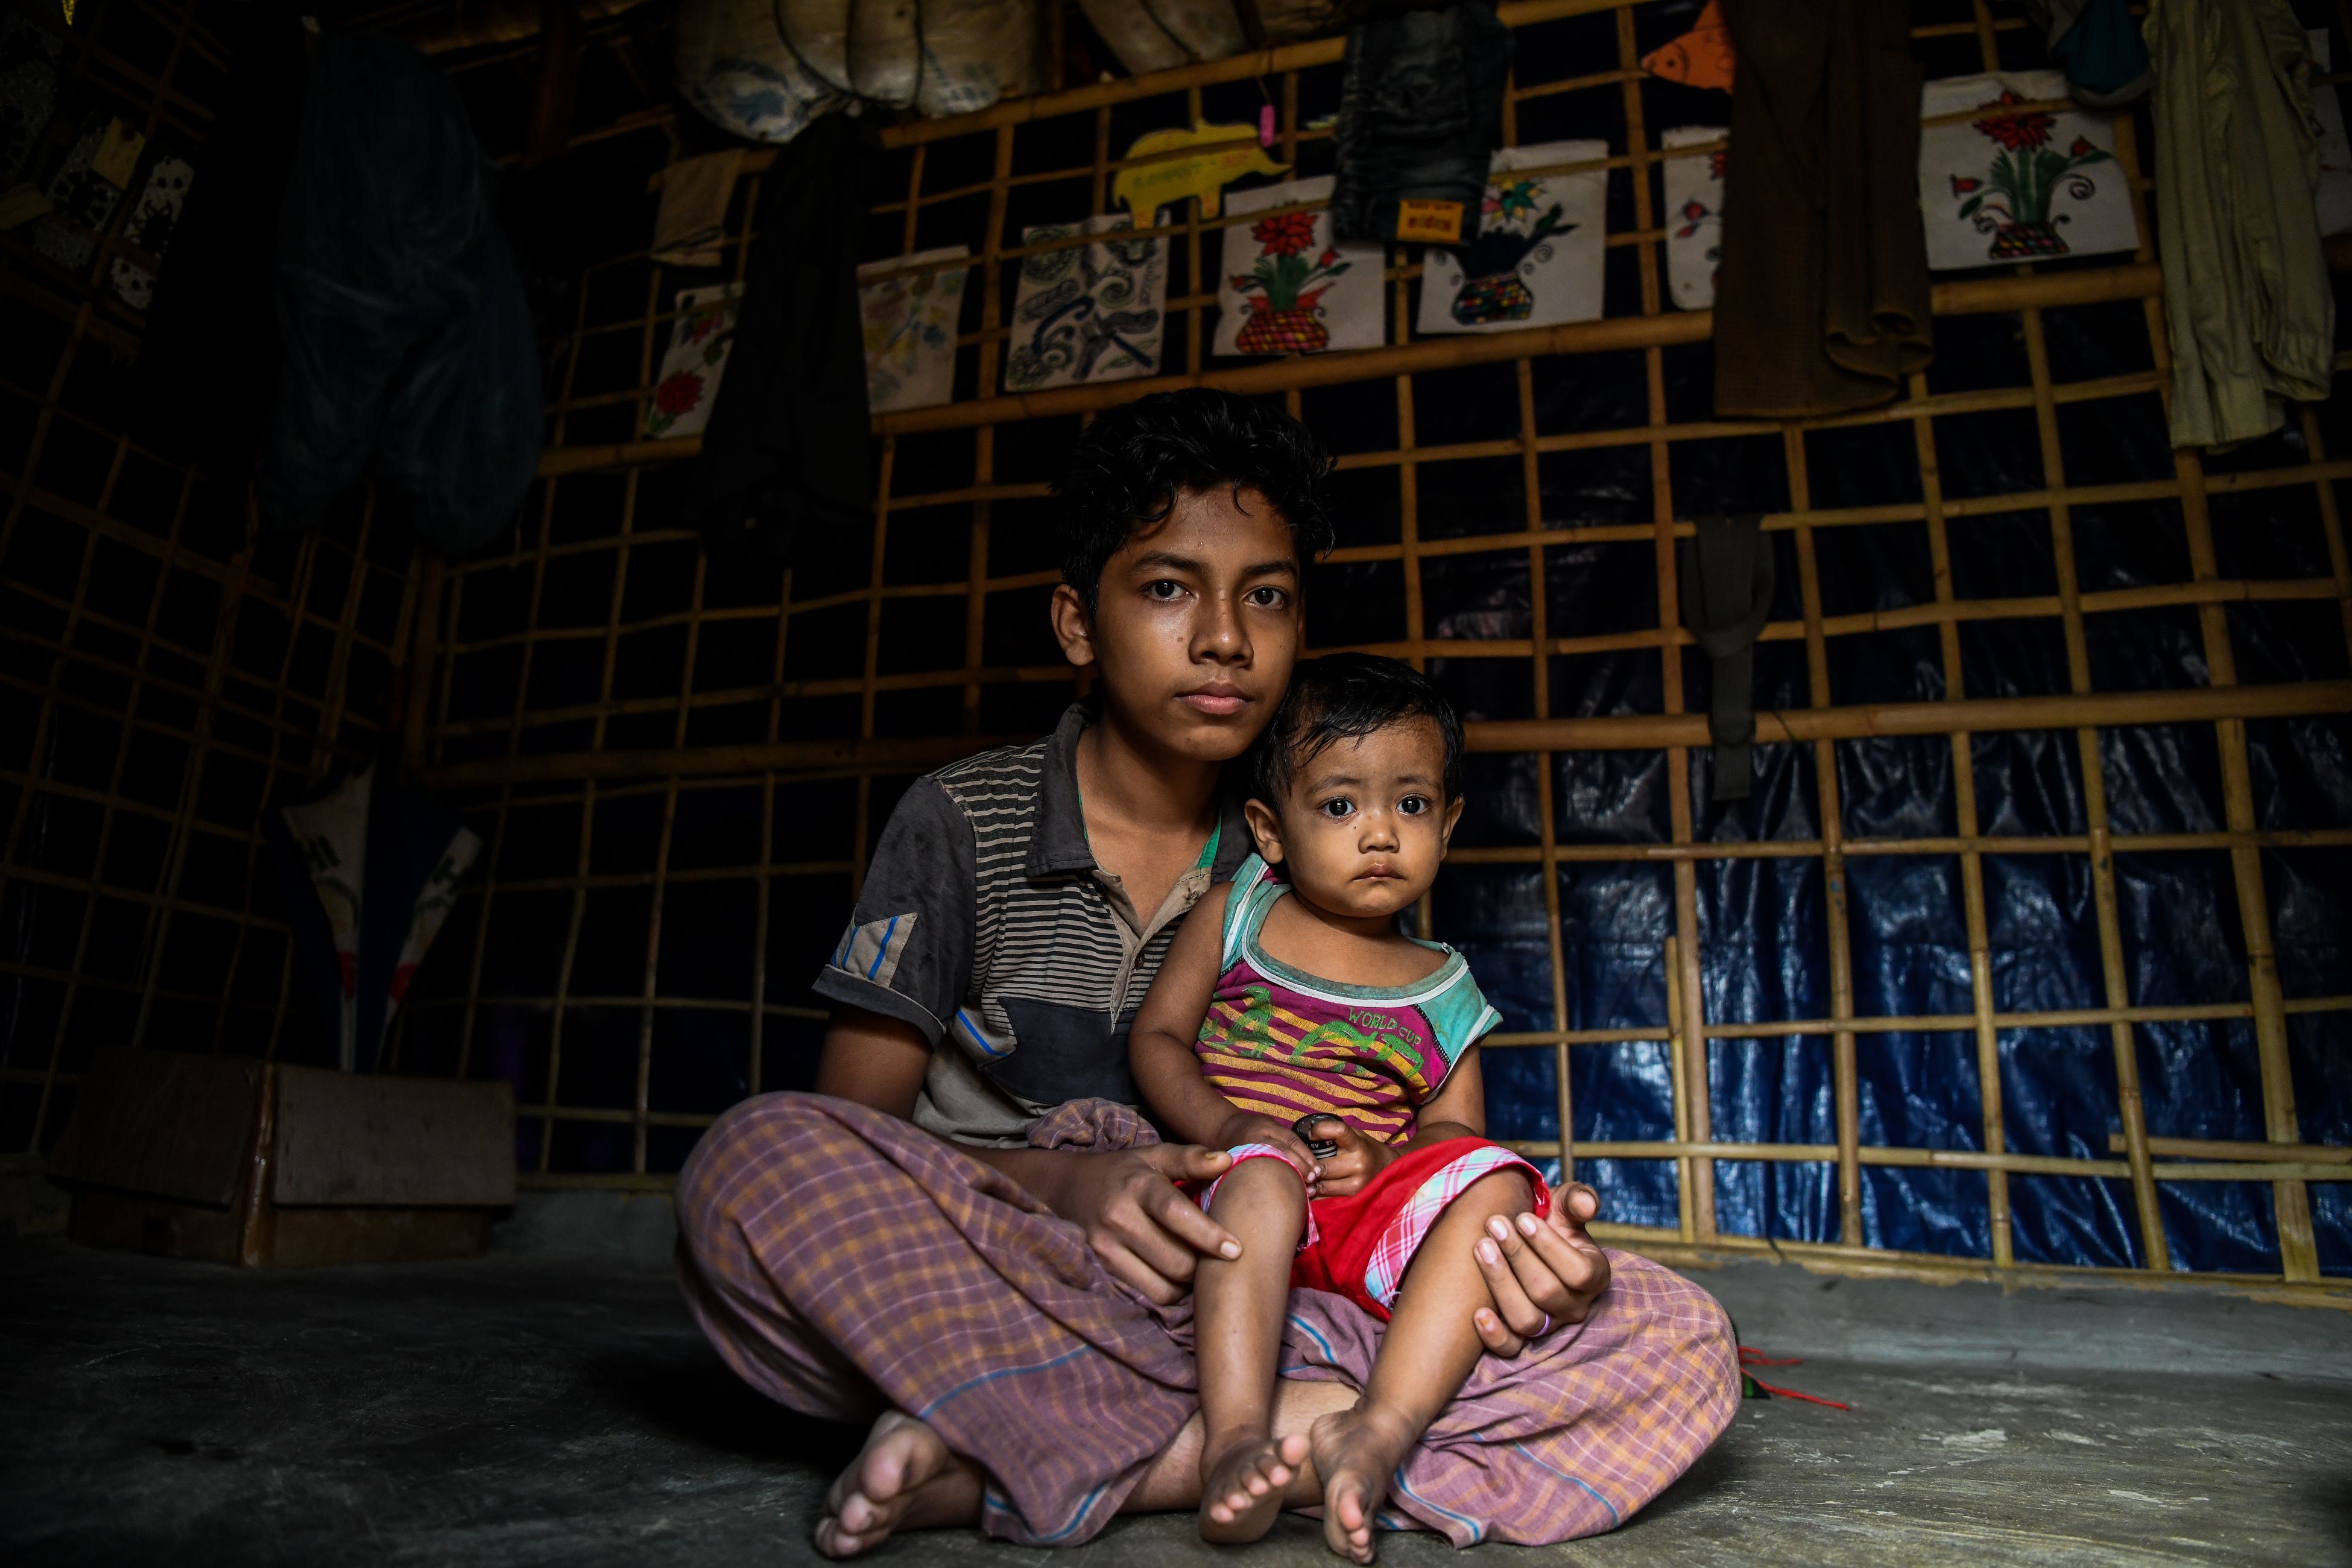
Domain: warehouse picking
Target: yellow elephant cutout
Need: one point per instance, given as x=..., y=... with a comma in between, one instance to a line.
x=1225, y=153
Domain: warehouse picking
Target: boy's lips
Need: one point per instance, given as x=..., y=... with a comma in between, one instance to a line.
x=1217, y=698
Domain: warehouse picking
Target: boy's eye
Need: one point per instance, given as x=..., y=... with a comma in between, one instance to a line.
x=1414, y=804
x=1163, y=590
x=1266, y=598
x=1337, y=806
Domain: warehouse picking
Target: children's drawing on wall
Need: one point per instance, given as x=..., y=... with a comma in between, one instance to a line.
x=2335, y=194
x=699, y=341
x=1693, y=216
x=81, y=191
x=909, y=323
x=1087, y=312
x=1164, y=167
x=1537, y=260
x=1701, y=58
x=2017, y=184
x=1286, y=289
x=150, y=227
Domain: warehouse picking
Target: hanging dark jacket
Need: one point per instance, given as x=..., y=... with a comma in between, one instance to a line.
x=407, y=339
x=788, y=445
x=1821, y=300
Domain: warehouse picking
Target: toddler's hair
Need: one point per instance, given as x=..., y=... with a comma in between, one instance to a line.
x=1344, y=696
x=1125, y=472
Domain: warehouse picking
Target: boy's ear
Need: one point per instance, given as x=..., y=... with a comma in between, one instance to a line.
x=1267, y=828
x=1445, y=834
x=1072, y=627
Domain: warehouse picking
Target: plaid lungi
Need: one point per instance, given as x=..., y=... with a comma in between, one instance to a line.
x=844, y=1261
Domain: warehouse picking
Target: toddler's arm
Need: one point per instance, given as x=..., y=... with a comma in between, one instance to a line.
x=1159, y=1045
x=1457, y=1111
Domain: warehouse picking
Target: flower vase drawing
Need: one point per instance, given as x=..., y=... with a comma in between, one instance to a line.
x=1693, y=214
x=1537, y=260
x=1511, y=231
x=699, y=342
x=2017, y=182
x=1287, y=288
x=1087, y=312
x=2012, y=203
x=1282, y=306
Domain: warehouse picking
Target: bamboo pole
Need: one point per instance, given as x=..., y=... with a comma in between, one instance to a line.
x=1608, y=335
x=2116, y=983
x=1948, y=1160
x=1844, y=1070
x=1547, y=806
x=1629, y=733
x=1964, y=805
x=2290, y=1202
x=1678, y=1056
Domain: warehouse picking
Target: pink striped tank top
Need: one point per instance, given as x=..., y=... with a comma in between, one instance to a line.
x=1283, y=1043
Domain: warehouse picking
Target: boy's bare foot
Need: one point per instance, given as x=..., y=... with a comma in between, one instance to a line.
x=1241, y=1484
x=907, y=1478
x=1357, y=1452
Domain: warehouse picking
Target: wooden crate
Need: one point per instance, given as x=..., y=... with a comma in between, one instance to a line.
x=264, y=1164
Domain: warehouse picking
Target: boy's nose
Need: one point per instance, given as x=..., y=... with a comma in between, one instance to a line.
x=1220, y=635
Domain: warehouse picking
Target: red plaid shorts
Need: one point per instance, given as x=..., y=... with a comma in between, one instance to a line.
x=1360, y=1244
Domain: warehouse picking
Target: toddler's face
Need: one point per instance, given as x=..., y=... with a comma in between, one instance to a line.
x=1366, y=821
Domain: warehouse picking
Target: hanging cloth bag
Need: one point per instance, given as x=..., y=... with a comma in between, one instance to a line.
x=1727, y=597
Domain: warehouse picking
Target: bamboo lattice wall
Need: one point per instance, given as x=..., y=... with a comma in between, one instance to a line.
x=640, y=728
x=169, y=672
x=649, y=738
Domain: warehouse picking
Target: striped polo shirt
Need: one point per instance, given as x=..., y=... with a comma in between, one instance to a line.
x=986, y=924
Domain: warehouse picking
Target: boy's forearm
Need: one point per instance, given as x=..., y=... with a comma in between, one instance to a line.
x=1039, y=1170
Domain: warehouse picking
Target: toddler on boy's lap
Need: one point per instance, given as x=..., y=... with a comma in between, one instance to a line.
x=1291, y=1010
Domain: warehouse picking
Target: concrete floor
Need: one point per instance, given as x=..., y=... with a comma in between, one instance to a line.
x=534, y=1407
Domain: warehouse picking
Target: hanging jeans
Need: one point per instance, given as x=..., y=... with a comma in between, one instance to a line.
x=1421, y=110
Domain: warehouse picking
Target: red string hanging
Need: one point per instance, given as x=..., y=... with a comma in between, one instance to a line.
x=1750, y=1358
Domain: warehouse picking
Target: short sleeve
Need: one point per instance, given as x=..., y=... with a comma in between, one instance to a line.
x=907, y=951
x=1461, y=1017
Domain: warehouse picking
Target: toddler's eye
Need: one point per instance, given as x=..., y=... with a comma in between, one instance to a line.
x=1165, y=589
x=1414, y=804
x=1337, y=806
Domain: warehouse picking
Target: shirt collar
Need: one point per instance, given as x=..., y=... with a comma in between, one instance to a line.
x=1058, y=839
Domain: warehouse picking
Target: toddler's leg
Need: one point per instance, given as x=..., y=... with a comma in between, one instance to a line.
x=1237, y=1325
x=1427, y=1353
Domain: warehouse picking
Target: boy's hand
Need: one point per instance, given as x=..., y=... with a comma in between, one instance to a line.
x=1360, y=1158
x=1144, y=1230
x=1543, y=1272
x=1248, y=1127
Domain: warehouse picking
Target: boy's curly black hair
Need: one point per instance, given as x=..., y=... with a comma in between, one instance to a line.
x=1132, y=462
x=1344, y=696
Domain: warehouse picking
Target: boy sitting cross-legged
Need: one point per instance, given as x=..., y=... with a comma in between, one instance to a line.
x=968, y=1238
x=1290, y=1014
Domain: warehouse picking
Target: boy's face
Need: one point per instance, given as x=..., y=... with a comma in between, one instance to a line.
x=1196, y=624
x=1365, y=823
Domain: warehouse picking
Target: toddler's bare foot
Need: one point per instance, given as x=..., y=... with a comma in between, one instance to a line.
x=1241, y=1484
x=907, y=1478
x=1357, y=1452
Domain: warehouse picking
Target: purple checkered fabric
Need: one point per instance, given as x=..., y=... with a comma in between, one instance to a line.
x=844, y=1261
